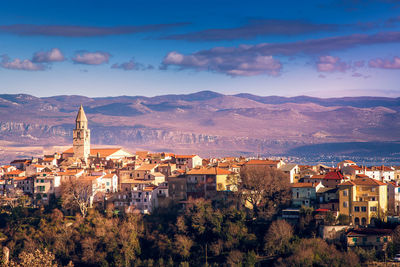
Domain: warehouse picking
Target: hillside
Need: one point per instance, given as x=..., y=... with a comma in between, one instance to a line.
x=206, y=122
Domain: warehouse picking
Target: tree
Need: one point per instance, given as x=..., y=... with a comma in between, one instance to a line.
x=35, y=259
x=316, y=252
x=264, y=189
x=278, y=237
x=76, y=193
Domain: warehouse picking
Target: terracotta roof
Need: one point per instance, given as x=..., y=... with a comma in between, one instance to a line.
x=20, y=161
x=90, y=178
x=104, y=152
x=334, y=176
x=394, y=184
x=382, y=168
x=348, y=161
x=355, y=167
x=185, y=156
x=317, y=176
x=146, y=167
x=261, y=162
x=302, y=185
x=369, y=231
x=109, y=175
x=362, y=176
x=48, y=159
x=364, y=181
x=38, y=166
x=15, y=172
x=20, y=178
x=209, y=171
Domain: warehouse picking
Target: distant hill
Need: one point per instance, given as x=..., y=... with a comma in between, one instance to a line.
x=206, y=122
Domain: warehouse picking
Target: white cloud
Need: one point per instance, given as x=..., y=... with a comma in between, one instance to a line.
x=89, y=58
x=48, y=56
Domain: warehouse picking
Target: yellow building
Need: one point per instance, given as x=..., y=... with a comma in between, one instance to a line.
x=363, y=199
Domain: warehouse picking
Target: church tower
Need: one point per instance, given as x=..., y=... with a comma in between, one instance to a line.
x=81, y=134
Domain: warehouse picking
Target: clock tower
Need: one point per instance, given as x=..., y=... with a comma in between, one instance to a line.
x=81, y=135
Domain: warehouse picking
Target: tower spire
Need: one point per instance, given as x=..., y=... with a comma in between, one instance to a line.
x=81, y=134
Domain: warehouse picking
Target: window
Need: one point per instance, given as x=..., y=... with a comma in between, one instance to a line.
x=365, y=239
x=373, y=209
x=345, y=193
x=373, y=198
x=345, y=204
x=363, y=209
x=357, y=209
x=373, y=189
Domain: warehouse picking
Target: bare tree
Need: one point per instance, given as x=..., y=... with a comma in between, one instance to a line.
x=76, y=193
x=264, y=188
x=278, y=236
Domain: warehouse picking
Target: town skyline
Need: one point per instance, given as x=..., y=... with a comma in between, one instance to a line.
x=340, y=48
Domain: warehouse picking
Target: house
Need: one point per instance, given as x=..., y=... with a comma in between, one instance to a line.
x=177, y=188
x=352, y=171
x=386, y=174
x=46, y=184
x=184, y=162
x=110, y=182
x=34, y=169
x=328, y=198
x=101, y=153
x=205, y=182
x=14, y=174
x=345, y=163
x=292, y=171
x=25, y=184
x=333, y=179
x=166, y=168
x=393, y=191
x=20, y=164
x=144, y=172
x=368, y=237
x=305, y=194
x=266, y=163
x=143, y=198
x=49, y=162
x=363, y=199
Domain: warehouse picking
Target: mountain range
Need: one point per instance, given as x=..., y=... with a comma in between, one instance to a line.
x=207, y=123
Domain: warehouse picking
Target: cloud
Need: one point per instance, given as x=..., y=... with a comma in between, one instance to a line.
x=82, y=31
x=385, y=63
x=131, y=65
x=18, y=64
x=254, y=28
x=331, y=64
x=49, y=56
x=237, y=65
x=260, y=58
x=91, y=58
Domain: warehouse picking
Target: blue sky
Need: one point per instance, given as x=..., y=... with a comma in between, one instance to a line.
x=288, y=48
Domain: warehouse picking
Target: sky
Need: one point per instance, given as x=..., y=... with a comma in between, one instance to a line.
x=286, y=48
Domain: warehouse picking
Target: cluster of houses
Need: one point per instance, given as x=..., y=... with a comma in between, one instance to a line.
x=144, y=181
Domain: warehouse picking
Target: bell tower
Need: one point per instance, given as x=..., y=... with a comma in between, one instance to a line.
x=81, y=135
